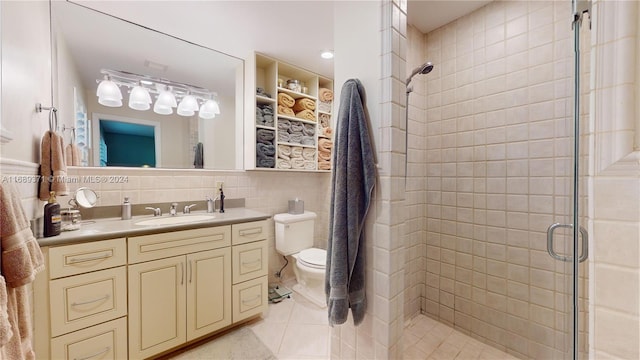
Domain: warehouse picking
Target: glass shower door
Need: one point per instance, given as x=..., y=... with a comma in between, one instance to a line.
x=567, y=243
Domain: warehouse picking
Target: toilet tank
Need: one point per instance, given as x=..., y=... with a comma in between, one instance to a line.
x=294, y=232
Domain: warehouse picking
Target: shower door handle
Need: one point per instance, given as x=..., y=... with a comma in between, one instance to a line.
x=584, y=254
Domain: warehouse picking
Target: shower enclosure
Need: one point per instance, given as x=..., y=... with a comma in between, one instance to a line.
x=496, y=174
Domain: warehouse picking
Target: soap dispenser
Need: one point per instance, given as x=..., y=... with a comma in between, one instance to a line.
x=52, y=218
x=126, y=209
x=221, y=200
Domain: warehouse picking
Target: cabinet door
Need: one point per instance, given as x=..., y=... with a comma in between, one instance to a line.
x=208, y=292
x=106, y=341
x=157, y=292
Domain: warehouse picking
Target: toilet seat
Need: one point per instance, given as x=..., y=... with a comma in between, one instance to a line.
x=313, y=258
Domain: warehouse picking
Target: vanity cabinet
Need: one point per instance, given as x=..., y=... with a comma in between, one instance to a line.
x=86, y=288
x=141, y=296
x=250, y=269
x=296, y=137
x=182, y=289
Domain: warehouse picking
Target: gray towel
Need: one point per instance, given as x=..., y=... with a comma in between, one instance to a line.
x=198, y=161
x=353, y=180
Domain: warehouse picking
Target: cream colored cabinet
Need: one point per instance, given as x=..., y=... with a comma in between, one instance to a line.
x=80, y=303
x=250, y=269
x=177, y=299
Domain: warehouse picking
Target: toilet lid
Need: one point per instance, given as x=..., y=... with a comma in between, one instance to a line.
x=313, y=257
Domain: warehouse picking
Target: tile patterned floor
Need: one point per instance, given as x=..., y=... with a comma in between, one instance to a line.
x=294, y=329
x=425, y=338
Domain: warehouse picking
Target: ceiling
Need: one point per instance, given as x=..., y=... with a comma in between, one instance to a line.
x=294, y=31
x=428, y=15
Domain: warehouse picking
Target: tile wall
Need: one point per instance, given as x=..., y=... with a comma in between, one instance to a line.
x=497, y=174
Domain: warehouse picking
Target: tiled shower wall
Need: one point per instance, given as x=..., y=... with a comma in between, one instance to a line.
x=497, y=151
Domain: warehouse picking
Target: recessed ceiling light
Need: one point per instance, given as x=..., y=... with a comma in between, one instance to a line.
x=327, y=54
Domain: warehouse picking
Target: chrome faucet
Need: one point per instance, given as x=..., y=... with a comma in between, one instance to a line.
x=156, y=211
x=187, y=208
x=173, y=209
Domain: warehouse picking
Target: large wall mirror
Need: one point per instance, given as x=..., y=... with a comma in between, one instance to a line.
x=89, y=46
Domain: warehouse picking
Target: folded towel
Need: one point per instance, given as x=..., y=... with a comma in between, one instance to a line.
x=324, y=107
x=295, y=138
x=284, y=152
x=309, y=165
x=325, y=144
x=72, y=155
x=267, y=162
x=324, y=165
x=286, y=100
x=325, y=120
x=306, y=115
x=296, y=152
x=5, y=325
x=52, y=166
x=308, y=153
x=285, y=110
x=309, y=129
x=284, y=124
x=308, y=140
x=283, y=164
x=297, y=163
x=265, y=136
x=266, y=150
x=283, y=136
x=304, y=104
x=296, y=127
x=325, y=94
x=324, y=155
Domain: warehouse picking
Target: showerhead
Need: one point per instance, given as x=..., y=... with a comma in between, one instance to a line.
x=422, y=69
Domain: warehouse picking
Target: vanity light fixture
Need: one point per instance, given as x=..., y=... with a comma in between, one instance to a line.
x=139, y=98
x=109, y=93
x=167, y=93
x=327, y=54
x=188, y=106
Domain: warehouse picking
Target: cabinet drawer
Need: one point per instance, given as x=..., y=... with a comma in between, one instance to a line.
x=158, y=246
x=249, y=298
x=249, y=232
x=249, y=261
x=105, y=341
x=83, y=300
x=81, y=258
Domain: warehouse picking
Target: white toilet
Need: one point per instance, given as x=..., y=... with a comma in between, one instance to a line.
x=294, y=237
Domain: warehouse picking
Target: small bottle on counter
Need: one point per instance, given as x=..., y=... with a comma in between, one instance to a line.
x=52, y=217
x=126, y=209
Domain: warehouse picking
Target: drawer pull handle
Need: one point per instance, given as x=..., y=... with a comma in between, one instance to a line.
x=256, y=261
x=106, y=350
x=257, y=297
x=253, y=231
x=91, y=258
x=90, y=301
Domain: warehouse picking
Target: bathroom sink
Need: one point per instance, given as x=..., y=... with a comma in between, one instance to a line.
x=173, y=220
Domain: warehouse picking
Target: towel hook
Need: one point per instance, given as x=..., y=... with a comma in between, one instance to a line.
x=53, y=116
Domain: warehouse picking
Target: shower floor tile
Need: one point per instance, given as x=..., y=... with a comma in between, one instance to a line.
x=428, y=339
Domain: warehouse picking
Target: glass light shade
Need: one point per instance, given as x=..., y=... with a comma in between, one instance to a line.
x=139, y=99
x=109, y=94
x=216, y=108
x=165, y=102
x=188, y=106
x=208, y=110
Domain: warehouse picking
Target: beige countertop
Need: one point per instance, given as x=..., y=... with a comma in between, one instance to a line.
x=101, y=229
